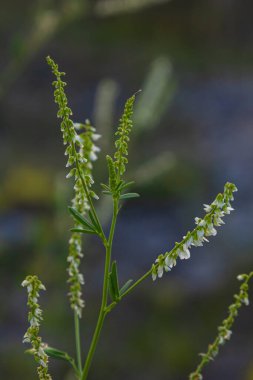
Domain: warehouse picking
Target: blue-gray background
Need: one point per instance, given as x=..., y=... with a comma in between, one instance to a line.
x=193, y=132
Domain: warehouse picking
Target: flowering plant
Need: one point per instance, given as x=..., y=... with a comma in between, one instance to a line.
x=81, y=151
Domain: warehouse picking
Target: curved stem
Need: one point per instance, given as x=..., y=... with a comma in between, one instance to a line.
x=103, y=309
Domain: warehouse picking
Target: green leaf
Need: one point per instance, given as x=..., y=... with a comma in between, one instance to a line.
x=105, y=187
x=83, y=231
x=77, y=216
x=61, y=355
x=107, y=192
x=30, y=351
x=125, y=287
x=127, y=184
x=118, y=187
x=57, y=354
x=129, y=195
x=113, y=283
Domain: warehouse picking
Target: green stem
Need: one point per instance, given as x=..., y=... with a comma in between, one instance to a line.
x=78, y=343
x=141, y=279
x=103, y=309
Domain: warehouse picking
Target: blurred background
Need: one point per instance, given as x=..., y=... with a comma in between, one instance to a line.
x=193, y=131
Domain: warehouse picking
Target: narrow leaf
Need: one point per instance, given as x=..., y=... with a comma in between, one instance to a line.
x=119, y=185
x=127, y=184
x=125, y=287
x=129, y=195
x=106, y=192
x=105, y=187
x=111, y=289
x=113, y=282
x=77, y=216
x=57, y=354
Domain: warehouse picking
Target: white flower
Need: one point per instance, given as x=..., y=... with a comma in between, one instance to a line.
x=219, y=203
x=217, y=221
x=154, y=272
x=184, y=253
x=95, y=136
x=77, y=126
x=245, y=300
x=160, y=271
x=207, y=208
x=188, y=240
x=93, y=156
x=24, y=283
x=210, y=230
x=170, y=261
x=167, y=268
x=228, y=209
x=228, y=334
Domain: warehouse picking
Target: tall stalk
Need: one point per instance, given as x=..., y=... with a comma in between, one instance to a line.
x=103, y=309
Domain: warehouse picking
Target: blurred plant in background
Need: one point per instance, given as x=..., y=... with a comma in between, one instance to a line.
x=48, y=18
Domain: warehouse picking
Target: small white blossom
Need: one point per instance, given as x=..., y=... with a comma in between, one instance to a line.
x=160, y=271
x=207, y=208
x=245, y=300
x=210, y=230
x=170, y=261
x=95, y=136
x=184, y=253
x=228, y=334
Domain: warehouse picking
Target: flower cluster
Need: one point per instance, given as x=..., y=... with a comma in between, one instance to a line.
x=34, y=285
x=125, y=127
x=71, y=139
x=88, y=152
x=224, y=331
x=81, y=151
x=205, y=227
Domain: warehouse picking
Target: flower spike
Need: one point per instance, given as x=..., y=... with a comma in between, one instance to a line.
x=34, y=285
x=224, y=331
x=205, y=227
x=81, y=152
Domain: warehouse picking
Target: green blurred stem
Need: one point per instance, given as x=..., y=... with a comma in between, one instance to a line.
x=103, y=309
x=78, y=343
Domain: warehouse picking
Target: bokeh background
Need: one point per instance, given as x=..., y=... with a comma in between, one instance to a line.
x=193, y=132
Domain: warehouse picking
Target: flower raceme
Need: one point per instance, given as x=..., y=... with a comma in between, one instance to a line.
x=81, y=151
x=224, y=331
x=205, y=227
x=34, y=285
x=87, y=153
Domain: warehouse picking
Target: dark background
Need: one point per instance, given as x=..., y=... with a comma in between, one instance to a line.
x=193, y=132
